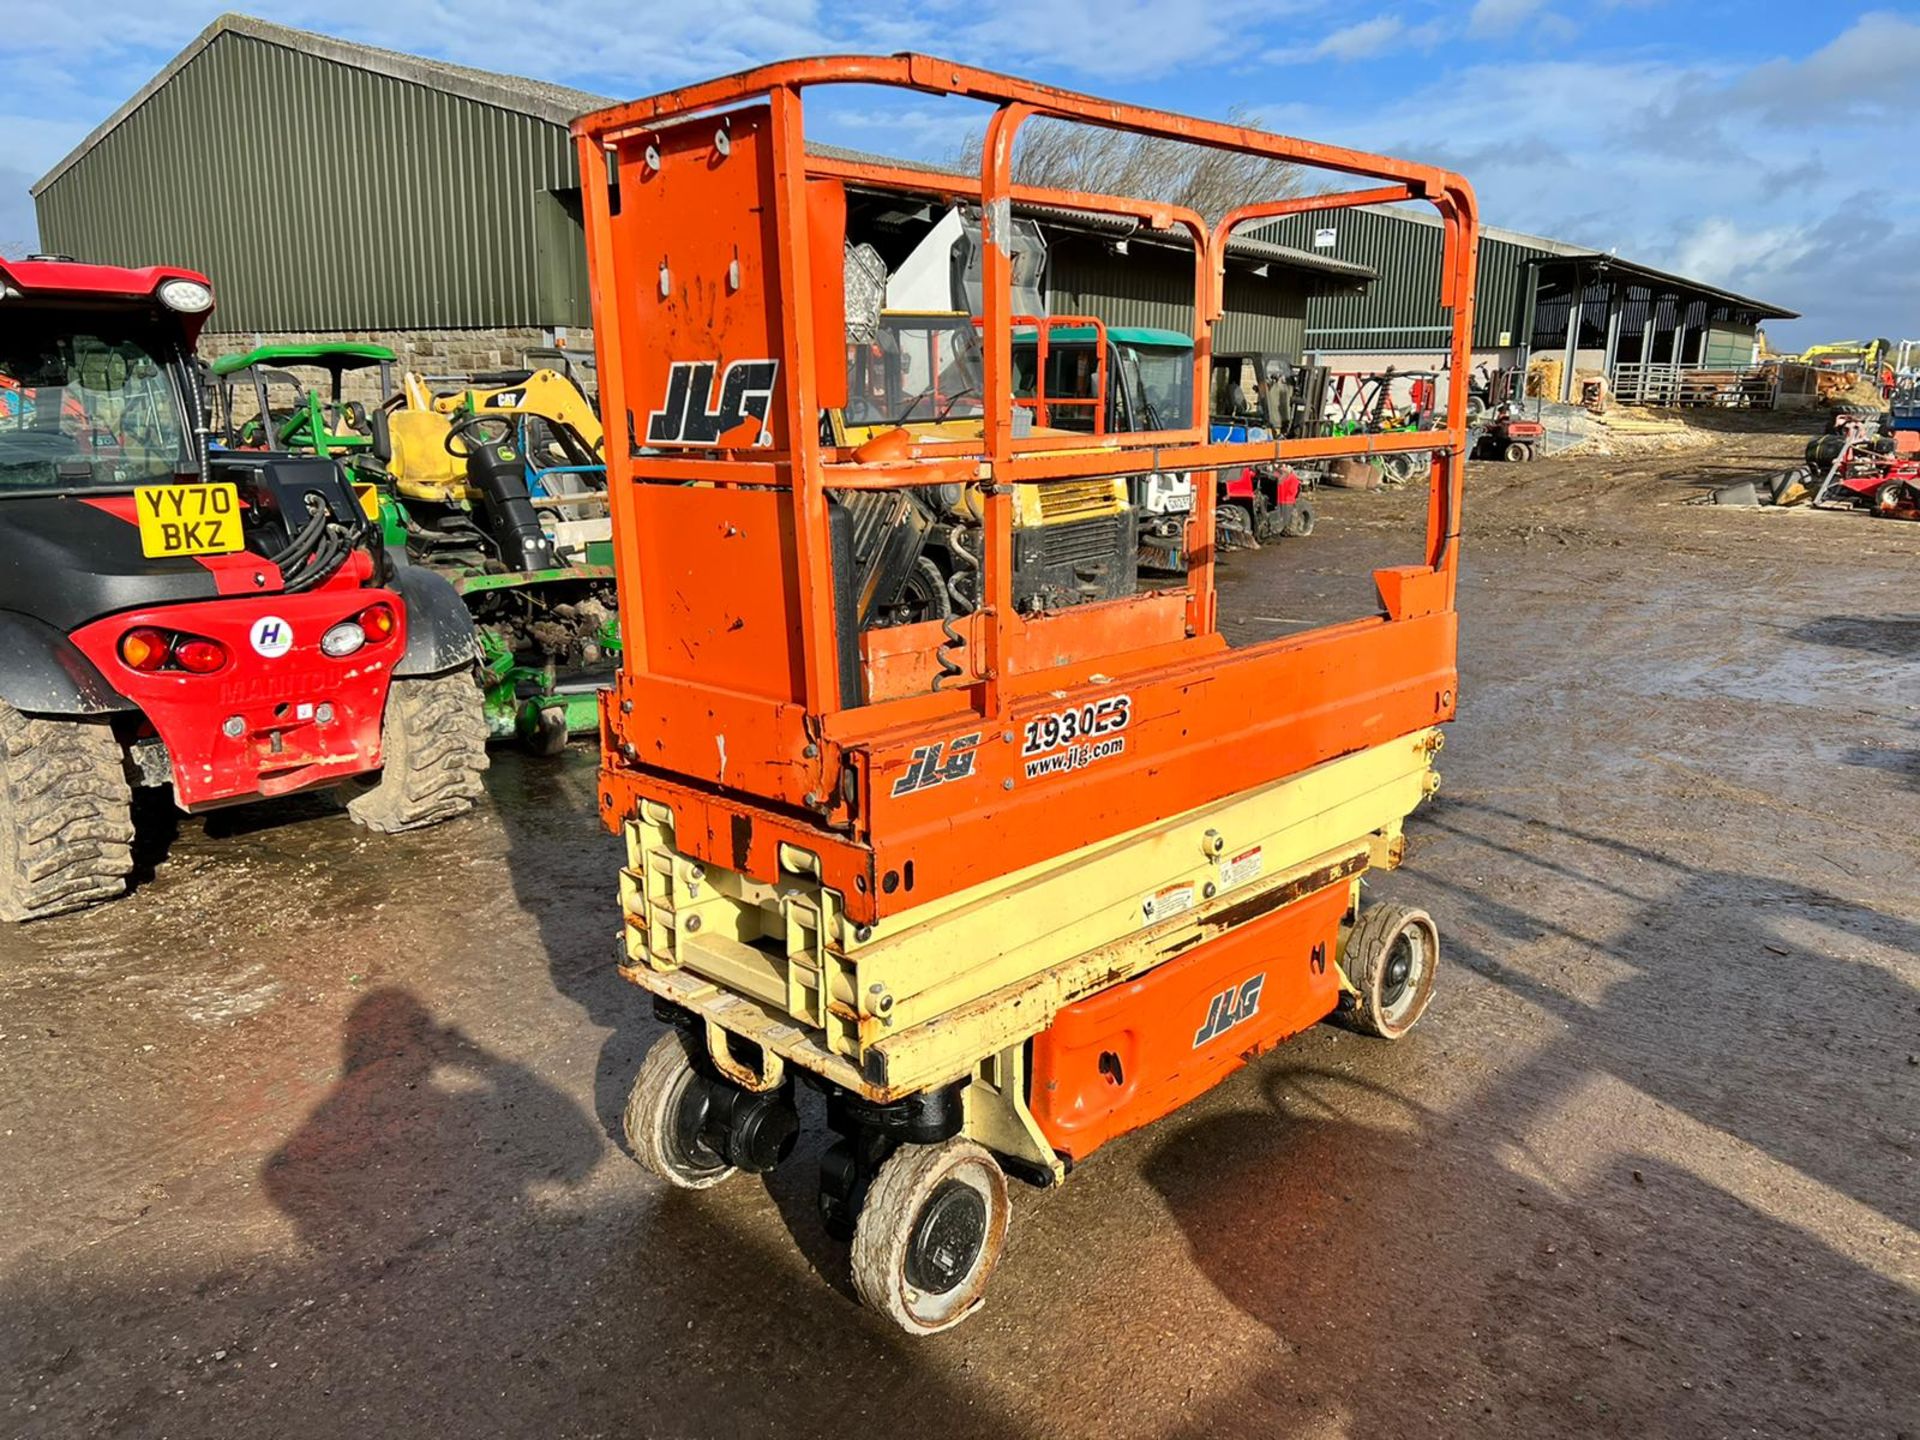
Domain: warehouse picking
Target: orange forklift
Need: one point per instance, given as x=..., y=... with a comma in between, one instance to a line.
x=1007, y=883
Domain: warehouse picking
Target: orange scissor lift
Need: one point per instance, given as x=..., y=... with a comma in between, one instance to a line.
x=1004, y=885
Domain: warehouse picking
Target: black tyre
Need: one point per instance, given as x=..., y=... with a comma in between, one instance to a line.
x=1515, y=452
x=1392, y=956
x=66, y=816
x=433, y=745
x=930, y=1234
x=1300, y=523
x=663, y=1116
x=1823, y=450
x=1887, y=498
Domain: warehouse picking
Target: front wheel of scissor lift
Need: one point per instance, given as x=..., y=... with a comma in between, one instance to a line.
x=665, y=1114
x=930, y=1233
x=1391, y=959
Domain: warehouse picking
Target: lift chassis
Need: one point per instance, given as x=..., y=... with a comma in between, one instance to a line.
x=1007, y=885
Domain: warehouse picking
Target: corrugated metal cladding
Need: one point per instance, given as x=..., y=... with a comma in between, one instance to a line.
x=322, y=197
x=1151, y=285
x=1401, y=310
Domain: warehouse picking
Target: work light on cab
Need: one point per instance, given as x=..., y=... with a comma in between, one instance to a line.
x=189, y=297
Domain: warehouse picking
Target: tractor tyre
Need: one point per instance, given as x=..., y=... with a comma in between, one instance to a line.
x=433, y=745
x=662, y=1127
x=66, y=816
x=1391, y=956
x=1300, y=523
x=930, y=1233
x=1886, y=499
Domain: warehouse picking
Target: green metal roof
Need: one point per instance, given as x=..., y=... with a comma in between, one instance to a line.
x=335, y=355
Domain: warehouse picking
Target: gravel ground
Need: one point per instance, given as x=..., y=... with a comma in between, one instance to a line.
x=314, y=1134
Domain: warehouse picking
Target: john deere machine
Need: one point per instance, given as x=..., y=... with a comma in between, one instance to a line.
x=224, y=625
x=495, y=482
x=1005, y=884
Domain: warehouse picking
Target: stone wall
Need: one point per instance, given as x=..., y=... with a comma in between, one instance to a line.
x=430, y=352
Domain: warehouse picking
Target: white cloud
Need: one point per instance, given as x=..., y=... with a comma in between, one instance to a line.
x=1500, y=17
x=1367, y=37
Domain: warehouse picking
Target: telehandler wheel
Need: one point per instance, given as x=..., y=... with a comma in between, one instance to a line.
x=662, y=1119
x=433, y=745
x=66, y=816
x=930, y=1234
x=1391, y=958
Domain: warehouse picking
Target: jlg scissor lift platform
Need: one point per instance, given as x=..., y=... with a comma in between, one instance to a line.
x=1006, y=884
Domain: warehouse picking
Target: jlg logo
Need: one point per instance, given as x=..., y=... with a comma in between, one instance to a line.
x=746, y=393
x=1233, y=1005
x=938, y=763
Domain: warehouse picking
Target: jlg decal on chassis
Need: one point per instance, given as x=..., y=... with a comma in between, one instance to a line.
x=938, y=763
x=1073, y=739
x=689, y=418
x=1233, y=1006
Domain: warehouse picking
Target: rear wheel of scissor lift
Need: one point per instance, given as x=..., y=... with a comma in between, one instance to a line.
x=1391, y=959
x=930, y=1233
x=666, y=1114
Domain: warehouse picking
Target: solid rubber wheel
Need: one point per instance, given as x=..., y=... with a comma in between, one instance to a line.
x=662, y=1119
x=930, y=1234
x=1391, y=958
x=433, y=748
x=66, y=816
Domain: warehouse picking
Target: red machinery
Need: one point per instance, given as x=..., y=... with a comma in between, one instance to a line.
x=224, y=625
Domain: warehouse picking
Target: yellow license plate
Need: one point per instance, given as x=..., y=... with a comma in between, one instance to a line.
x=189, y=519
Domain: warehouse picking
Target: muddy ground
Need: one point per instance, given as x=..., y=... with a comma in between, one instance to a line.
x=314, y=1135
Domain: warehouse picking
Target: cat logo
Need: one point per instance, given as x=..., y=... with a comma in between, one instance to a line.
x=938, y=763
x=1232, y=1006
x=746, y=393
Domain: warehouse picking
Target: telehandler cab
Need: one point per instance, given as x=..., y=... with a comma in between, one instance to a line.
x=223, y=623
x=1003, y=885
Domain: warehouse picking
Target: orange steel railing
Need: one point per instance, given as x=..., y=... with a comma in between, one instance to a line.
x=809, y=761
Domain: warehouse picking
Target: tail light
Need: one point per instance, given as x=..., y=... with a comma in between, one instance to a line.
x=201, y=657
x=146, y=648
x=379, y=623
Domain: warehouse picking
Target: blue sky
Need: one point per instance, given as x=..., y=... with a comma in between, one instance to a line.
x=1753, y=143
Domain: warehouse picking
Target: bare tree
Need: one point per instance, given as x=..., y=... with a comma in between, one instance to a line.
x=1084, y=157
